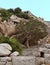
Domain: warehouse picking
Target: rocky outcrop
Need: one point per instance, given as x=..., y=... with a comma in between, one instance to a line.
x=7, y=28
x=15, y=19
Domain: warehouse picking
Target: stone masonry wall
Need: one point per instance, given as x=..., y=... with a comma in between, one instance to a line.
x=24, y=60
x=19, y=60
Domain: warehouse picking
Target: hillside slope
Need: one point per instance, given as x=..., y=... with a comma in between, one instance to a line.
x=24, y=26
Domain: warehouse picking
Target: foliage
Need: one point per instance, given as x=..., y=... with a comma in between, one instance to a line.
x=23, y=15
x=10, y=10
x=17, y=10
x=5, y=14
x=27, y=32
x=15, y=44
x=31, y=31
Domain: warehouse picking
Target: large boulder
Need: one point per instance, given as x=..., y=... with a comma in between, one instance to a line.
x=7, y=28
x=5, y=49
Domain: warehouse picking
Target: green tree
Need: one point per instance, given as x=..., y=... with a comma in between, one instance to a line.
x=17, y=10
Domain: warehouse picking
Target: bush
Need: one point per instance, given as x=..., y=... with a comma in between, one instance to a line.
x=5, y=14
x=17, y=10
x=31, y=32
x=10, y=10
x=15, y=44
x=23, y=15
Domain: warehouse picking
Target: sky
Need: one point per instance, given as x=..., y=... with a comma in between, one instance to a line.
x=40, y=8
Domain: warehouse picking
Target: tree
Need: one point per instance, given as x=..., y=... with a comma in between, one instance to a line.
x=17, y=10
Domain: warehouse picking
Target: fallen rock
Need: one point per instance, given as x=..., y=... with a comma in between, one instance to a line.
x=15, y=53
x=5, y=49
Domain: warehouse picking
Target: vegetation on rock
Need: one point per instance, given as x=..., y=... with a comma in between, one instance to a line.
x=5, y=14
x=28, y=33
x=15, y=44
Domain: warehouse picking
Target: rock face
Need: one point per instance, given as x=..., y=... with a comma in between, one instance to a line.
x=5, y=49
x=7, y=28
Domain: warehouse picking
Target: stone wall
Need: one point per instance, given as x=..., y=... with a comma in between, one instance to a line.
x=19, y=60
x=24, y=60
x=5, y=61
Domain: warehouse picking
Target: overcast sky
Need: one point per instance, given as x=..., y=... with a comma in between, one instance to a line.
x=40, y=8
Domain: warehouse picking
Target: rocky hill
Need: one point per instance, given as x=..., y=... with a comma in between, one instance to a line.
x=20, y=29
x=24, y=26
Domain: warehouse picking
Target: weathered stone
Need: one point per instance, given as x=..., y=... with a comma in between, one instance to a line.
x=9, y=63
x=6, y=45
x=2, y=63
x=5, y=49
x=47, y=46
x=4, y=59
x=46, y=55
x=36, y=53
x=7, y=28
x=42, y=49
x=49, y=51
x=15, y=53
x=23, y=60
x=39, y=61
x=42, y=64
x=47, y=60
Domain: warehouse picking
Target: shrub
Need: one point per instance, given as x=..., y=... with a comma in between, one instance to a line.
x=17, y=10
x=15, y=44
x=10, y=10
x=31, y=32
